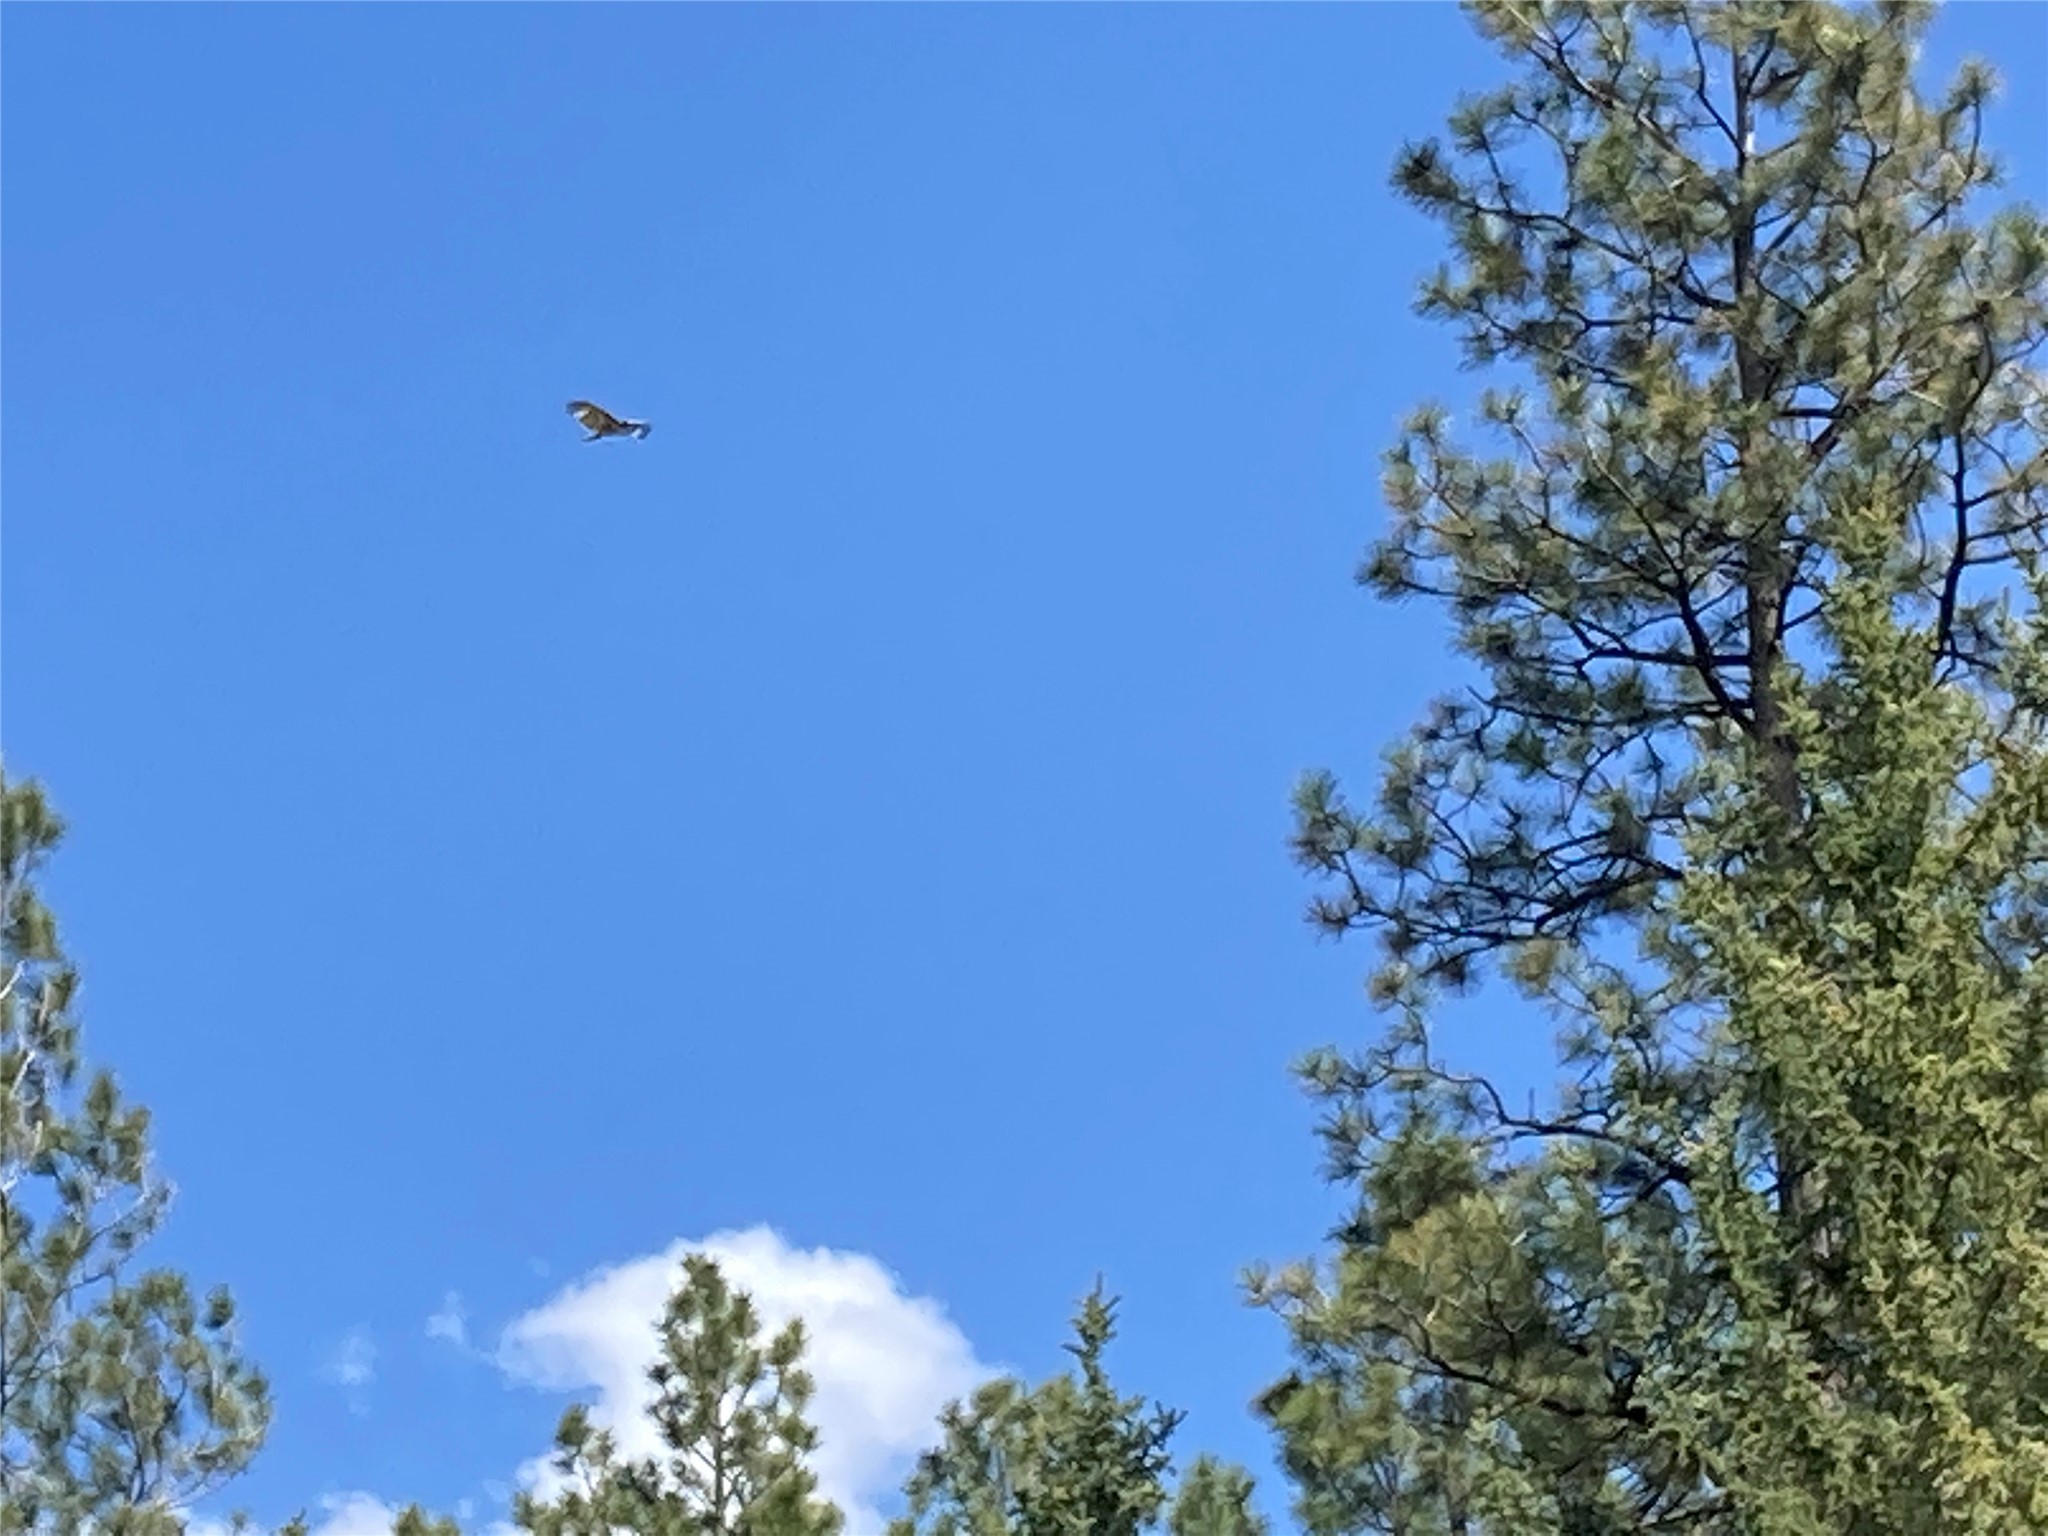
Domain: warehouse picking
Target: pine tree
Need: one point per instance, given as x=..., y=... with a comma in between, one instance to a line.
x=1070, y=1457
x=413, y=1520
x=730, y=1413
x=1214, y=1499
x=1751, y=796
x=122, y=1397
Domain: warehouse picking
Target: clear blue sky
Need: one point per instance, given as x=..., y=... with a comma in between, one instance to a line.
x=858, y=809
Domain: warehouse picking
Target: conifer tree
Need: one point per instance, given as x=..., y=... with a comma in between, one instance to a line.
x=1070, y=1457
x=1214, y=1499
x=122, y=1396
x=730, y=1413
x=414, y=1520
x=1750, y=795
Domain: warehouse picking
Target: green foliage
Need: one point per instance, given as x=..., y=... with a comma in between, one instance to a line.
x=415, y=1521
x=1070, y=1457
x=122, y=1396
x=1750, y=798
x=1214, y=1499
x=730, y=1413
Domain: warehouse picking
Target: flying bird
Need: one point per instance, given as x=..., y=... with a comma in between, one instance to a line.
x=599, y=422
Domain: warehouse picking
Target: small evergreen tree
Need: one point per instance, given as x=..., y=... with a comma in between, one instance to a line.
x=413, y=1520
x=730, y=1413
x=1070, y=1457
x=1214, y=1499
x=122, y=1396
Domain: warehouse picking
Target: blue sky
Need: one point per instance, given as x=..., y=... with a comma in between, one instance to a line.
x=855, y=812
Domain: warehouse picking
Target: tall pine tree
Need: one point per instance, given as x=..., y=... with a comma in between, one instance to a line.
x=122, y=1396
x=730, y=1412
x=1751, y=795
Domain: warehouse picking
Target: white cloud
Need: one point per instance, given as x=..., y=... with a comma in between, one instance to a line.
x=451, y=1322
x=884, y=1363
x=354, y=1514
x=353, y=1367
x=354, y=1361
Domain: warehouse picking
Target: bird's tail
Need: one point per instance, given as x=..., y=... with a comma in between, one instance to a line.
x=640, y=428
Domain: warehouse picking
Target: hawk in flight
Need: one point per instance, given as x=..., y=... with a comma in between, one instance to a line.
x=599, y=422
